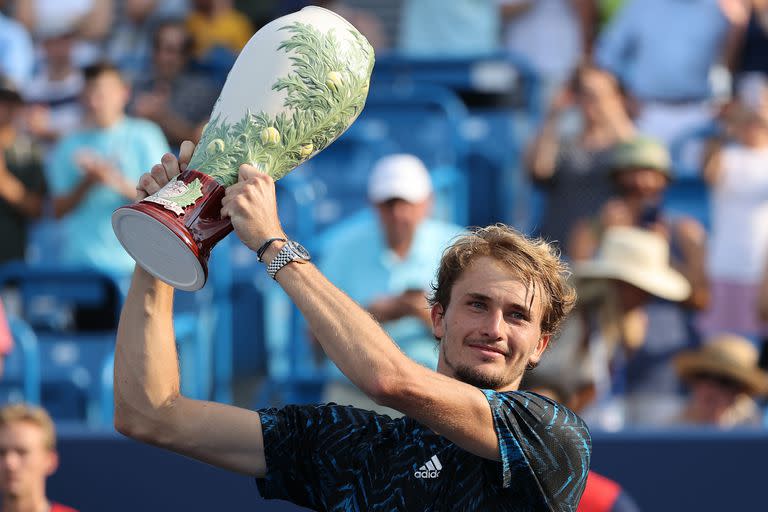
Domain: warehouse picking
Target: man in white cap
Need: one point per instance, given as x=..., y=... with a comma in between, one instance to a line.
x=387, y=262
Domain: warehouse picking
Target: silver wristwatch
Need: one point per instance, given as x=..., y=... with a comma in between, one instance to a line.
x=291, y=251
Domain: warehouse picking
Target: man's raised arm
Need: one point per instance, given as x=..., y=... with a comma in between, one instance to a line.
x=148, y=404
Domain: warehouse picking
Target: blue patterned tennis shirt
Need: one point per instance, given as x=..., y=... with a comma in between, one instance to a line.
x=338, y=458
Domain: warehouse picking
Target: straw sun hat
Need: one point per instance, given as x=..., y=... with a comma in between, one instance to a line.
x=638, y=257
x=728, y=356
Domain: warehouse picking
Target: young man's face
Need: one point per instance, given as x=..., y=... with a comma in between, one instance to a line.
x=491, y=329
x=25, y=461
x=105, y=98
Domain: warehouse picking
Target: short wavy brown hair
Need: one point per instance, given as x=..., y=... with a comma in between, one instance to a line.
x=533, y=260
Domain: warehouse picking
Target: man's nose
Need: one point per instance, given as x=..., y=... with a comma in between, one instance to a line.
x=493, y=323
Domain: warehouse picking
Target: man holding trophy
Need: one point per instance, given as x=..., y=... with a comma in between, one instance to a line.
x=468, y=439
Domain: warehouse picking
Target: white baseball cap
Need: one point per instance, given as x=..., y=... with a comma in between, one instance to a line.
x=399, y=176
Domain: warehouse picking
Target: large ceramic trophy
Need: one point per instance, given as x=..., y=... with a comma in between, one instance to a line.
x=297, y=85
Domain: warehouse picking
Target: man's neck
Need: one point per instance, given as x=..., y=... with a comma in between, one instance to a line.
x=38, y=503
x=401, y=247
x=106, y=125
x=57, y=73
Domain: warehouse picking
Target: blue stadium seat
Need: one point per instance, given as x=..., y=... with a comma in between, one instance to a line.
x=71, y=367
x=419, y=118
x=337, y=177
x=20, y=381
x=55, y=302
x=506, y=74
x=50, y=298
x=504, y=101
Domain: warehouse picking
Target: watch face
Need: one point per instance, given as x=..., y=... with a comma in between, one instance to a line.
x=300, y=251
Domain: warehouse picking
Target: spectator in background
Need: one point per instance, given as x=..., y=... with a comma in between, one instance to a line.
x=53, y=94
x=626, y=327
x=460, y=28
x=641, y=171
x=666, y=51
x=89, y=21
x=550, y=34
x=724, y=380
x=573, y=169
x=22, y=180
x=177, y=100
x=735, y=170
x=27, y=458
x=17, y=53
x=216, y=23
x=387, y=264
x=93, y=171
x=562, y=382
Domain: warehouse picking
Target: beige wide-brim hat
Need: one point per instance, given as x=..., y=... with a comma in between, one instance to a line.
x=725, y=355
x=638, y=257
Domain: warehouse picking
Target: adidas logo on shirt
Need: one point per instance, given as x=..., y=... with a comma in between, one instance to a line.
x=429, y=470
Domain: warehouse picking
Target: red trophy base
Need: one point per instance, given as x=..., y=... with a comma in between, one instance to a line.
x=174, y=246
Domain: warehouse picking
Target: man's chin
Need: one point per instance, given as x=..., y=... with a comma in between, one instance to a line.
x=479, y=379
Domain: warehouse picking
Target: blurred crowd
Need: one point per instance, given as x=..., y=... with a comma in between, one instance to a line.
x=672, y=318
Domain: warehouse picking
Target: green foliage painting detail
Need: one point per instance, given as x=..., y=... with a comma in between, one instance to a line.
x=326, y=91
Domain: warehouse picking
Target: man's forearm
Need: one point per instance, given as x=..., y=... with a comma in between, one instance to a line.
x=146, y=364
x=350, y=337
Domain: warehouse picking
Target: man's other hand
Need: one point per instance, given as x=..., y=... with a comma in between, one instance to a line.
x=165, y=171
x=251, y=205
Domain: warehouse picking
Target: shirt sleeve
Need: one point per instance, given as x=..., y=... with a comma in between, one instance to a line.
x=310, y=451
x=545, y=438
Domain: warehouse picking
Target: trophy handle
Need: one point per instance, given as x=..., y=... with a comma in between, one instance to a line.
x=205, y=223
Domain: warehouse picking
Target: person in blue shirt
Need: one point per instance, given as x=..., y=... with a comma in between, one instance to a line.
x=468, y=440
x=93, y=171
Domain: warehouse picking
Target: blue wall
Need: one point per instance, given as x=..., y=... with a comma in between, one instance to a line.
x=670, y=471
